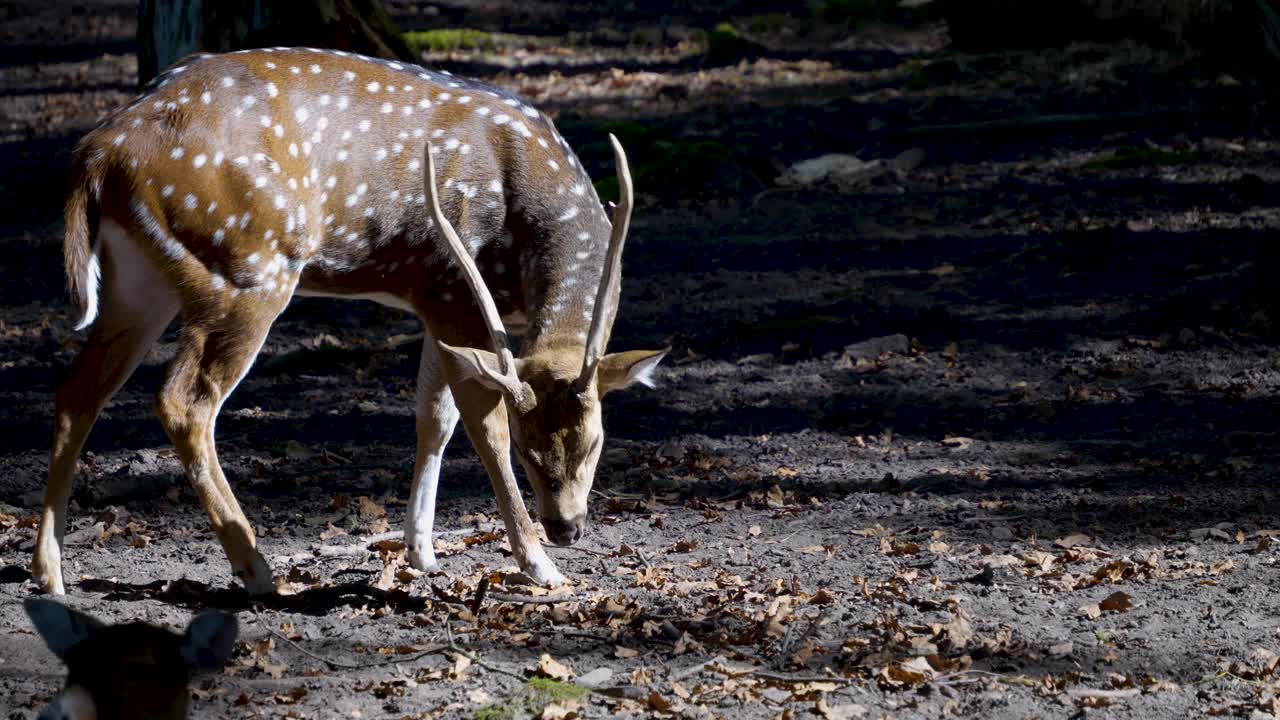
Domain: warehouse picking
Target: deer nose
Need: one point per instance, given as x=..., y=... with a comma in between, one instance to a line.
x=564, y=532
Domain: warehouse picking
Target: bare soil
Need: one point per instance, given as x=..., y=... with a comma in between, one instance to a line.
x=992, y=434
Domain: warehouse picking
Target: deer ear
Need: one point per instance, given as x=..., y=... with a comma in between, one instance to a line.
x=61, y=627
x=483, y=367
x=620, y=370
x=209, y=640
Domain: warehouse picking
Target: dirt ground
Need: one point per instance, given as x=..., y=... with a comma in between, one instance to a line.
x=990, y=434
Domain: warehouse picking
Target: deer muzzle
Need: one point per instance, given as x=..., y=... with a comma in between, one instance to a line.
x=565, y=532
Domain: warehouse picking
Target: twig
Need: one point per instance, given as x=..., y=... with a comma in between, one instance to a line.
x=588, y=551
x=355, y=548
x=643, y=559
x=991, y=518
x=319, y=550
x=478, y=601
x=1092, y=694
x=339, y=665
x=454, y=647
x=690, y=672
x=348, y=467
x=583, y=634
x=534, y=599
x=444, y=597
x=782, y=677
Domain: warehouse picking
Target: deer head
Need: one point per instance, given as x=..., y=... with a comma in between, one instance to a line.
x=132, y=671
x=553, y=395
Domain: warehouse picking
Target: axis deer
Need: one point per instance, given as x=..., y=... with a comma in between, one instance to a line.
x=239, y=180
x=132, y=671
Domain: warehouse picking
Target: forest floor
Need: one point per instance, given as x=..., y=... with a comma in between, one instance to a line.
x=989, y=430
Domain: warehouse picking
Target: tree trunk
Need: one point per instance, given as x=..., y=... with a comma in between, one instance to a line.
x=171, y=29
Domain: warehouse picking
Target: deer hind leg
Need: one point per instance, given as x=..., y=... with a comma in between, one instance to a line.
x=215, y=350
x=437, y=416
x=137, y=304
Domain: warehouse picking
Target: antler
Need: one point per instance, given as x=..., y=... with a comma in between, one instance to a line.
x=518, y=392
x=611, y=280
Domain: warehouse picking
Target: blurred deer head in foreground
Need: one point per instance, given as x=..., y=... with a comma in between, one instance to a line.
x=131, y=671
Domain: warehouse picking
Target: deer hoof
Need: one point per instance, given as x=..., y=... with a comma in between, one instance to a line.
x=46, y=573
x=543, y=572
x=424, y=560
x=47, y=580
x=257, y=577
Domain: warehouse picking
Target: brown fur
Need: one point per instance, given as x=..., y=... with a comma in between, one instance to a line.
x=240, y=179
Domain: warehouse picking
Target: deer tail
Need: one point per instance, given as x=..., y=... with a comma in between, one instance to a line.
x=80, y=252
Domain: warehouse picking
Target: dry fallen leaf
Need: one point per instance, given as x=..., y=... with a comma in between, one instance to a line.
x=1115, y=602
x=822, y=597
x=368, y=509
x=1072, y=540
x=290, y=697
x=843, y=711
x=552, y=668
x=560, y=710
x=460, y=664
x=659, y=703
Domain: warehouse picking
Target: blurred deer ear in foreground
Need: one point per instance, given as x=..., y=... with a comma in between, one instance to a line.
x=130, y=671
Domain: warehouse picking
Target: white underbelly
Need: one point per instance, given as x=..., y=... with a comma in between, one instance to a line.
x=381, y=298
x=516, y=322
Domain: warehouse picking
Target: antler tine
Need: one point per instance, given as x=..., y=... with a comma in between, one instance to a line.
x=611, y=280
x=493, y=321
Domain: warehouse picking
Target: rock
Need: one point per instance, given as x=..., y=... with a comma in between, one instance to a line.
x=595, y=679
x=875, y=347
x=832, y=167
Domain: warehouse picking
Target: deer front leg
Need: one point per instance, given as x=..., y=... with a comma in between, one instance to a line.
x=210, y=362
x=485, y=418
x=437, y=415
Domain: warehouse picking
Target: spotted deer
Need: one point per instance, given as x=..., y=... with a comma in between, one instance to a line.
x=237, y=181
x=131, y=671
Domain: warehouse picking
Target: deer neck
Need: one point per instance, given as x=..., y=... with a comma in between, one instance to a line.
x=563, y=280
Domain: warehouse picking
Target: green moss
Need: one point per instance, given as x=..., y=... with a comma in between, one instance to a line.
x=531, y=699
x=446, y=39
x=556, y=690
x=725, y=44
x=450, y=39
x=659, y=160
x=495, y=712
x=769, y=23
x=1136, y=157
x=856, y=11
